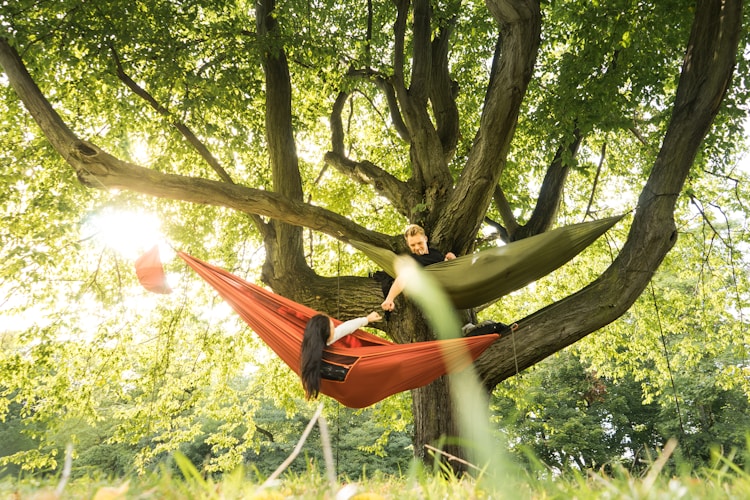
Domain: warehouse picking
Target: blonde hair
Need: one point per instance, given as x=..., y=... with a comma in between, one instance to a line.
x=413, y=230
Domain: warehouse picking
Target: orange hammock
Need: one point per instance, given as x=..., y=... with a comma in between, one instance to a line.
x=359, y=370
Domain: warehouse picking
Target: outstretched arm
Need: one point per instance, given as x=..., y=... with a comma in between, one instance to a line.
x=396, y=289
x=352, y=325
x=398, y=286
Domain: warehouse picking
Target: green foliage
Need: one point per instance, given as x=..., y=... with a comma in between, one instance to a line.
x=558, y=414
x=130, y=378
x=693, y=315
x=673, y=366
x=13, y=439
x=214, y=440
x=572, y=418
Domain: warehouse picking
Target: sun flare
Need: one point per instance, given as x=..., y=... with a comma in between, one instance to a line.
x=129, y=233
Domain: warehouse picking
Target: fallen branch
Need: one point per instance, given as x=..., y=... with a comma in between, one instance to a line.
x=327, y=452
x=451, y=458
x=296, y=450
x=67, y=467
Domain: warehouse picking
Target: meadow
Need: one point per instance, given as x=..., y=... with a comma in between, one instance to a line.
x=724, y=480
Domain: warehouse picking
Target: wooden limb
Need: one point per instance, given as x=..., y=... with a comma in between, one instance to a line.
x=451, y=458
x=337, y=126
x=596, y=178
x=443, y=91
x=390, y=95
x=710, y=58
x=188, y=134
x=399, y=33
x=519, y=35
x=509, y=219
x=281, y=468
x=384, y=183
x=421, y=52
x=386, y=85
x=98, y=169
x=265, y=432
x=548, y=202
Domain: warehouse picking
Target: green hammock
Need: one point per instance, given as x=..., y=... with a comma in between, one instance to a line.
x=483, y=277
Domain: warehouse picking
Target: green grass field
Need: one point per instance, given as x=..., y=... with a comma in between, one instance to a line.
x=724, y=481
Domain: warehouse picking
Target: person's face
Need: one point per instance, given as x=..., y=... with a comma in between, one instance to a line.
x=417, y=244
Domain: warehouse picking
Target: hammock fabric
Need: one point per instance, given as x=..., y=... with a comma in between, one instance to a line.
x=483, y=277
x=360, y=369
x=150, y=272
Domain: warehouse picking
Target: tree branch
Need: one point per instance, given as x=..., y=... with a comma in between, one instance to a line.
x=548, y=202
x=598, y=174
x=515, y=55
x=337, y=126
x=98, y=169
x=265, y=432
x=509, y=219
x=390, y=95
x=181, y=127
x=422, y=53
x=443, y=91
x=399, y=32
x=365, y=172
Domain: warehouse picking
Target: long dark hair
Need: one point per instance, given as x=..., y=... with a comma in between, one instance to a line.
x=317, y=331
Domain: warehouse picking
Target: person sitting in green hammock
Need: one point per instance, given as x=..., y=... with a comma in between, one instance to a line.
x=319, y=333
x=416, y=240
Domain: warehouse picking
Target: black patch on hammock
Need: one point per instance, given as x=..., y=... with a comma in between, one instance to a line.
x=336, y=366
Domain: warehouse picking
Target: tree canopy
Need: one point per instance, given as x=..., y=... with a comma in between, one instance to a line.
x=266, y=135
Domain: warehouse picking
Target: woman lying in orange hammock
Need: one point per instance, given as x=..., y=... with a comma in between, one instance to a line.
x=359, y=369
x=320, y=333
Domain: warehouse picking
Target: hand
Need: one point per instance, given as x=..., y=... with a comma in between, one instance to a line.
x=373, y=317
x=388, y=305
x=450, y=256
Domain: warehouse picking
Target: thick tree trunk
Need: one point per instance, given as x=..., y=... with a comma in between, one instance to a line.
x=435, y=422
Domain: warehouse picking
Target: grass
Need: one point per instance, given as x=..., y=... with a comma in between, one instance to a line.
x=724, y=481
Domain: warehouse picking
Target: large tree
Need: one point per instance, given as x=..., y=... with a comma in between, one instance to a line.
x=445, y=114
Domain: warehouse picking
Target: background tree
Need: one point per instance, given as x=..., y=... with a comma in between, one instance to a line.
x=666, y=369
x=439, y=113
x=566, y=416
